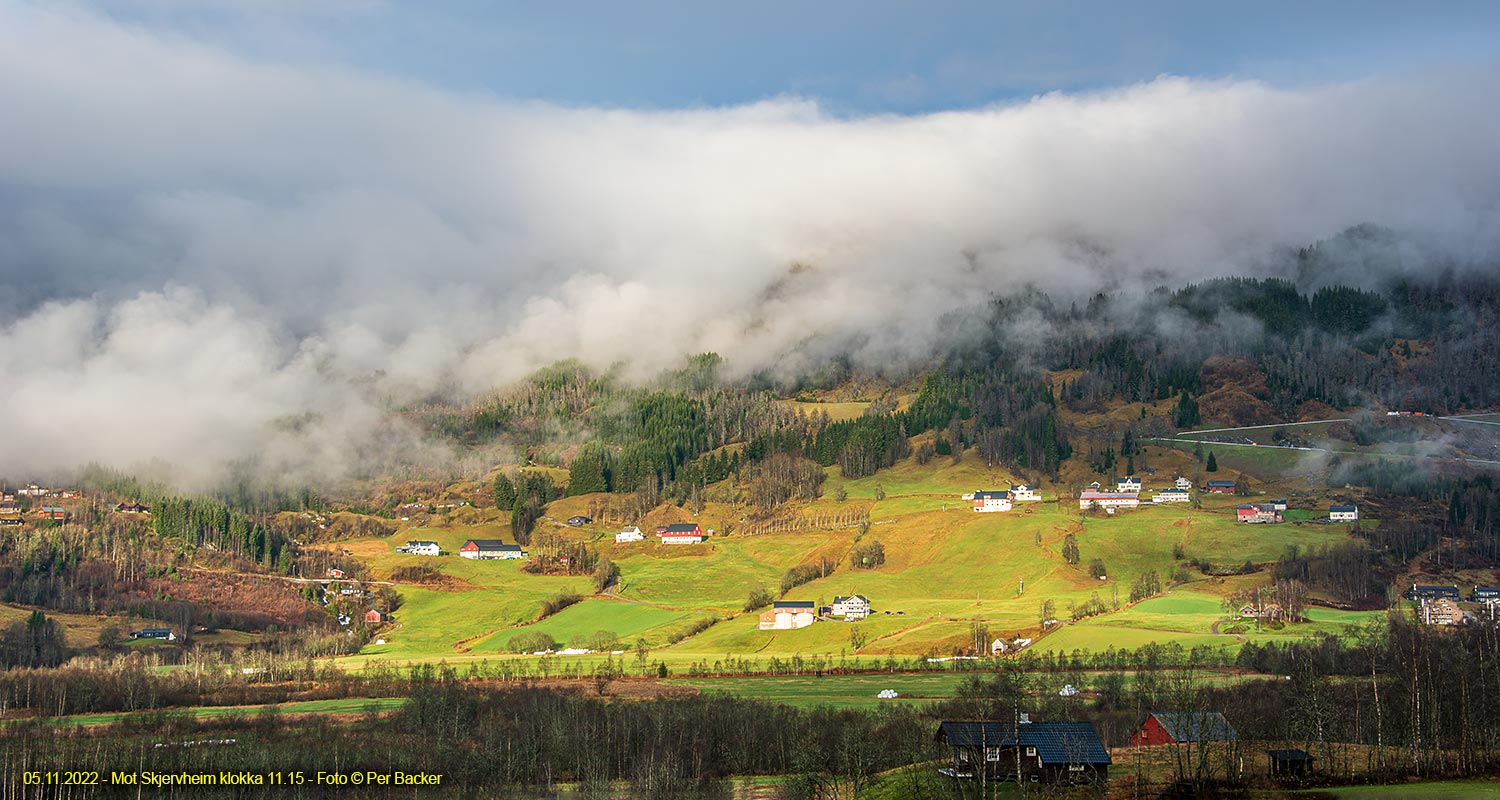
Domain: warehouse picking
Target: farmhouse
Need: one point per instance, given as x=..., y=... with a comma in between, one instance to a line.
x=1172, y=496
x=1023, y=493
x=1429, y=592
x=1044, y=752
x=1258, y=514
x=9, y=508
x=53, y=512
x=579, y=520
x=1269, y=612
x=374, y=616
x=1168, y=727
x=788, y=615
x=155, y=633
x=34, y=491
x=1441, y=611
x=992, y=501
x=1348, y=513
x=490, y=550
x=133, y=508
x=1183, y=483
x=630, y=534
x=1485, y=594
x=1221, y=487
x=1279, y=505
x=685, y=533
x=852, y=607
x=11, y=521
x=420, y=547
x=1092, y=498
x=1129, y=483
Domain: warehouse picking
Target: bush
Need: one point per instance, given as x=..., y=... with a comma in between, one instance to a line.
x=805, y=573
x=758, y=598
x=1096, y=568
x=558, y=602
x=867, y=556
x=530, y=642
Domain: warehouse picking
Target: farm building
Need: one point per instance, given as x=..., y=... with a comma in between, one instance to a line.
x=1290, y=763
x=1171, y=727
x=1279, y=505
x=421, y=547
x=155, y=633
x=788, y=615
x=1043, y=752
x=490, y=550
x=1221, y=487
x=53, y=512
x=1348, y=513
x=1258, y=514
x=1129, y=483
x=630, y=534
x=133, y=508
x=852, y=607
x=1183, y=483
x=374, y=616
x=1172, y=496
x=992, y=501
x=1023, y=493
x=684, y=533
x=1270, y=612
x=578, y=520
x=1091, y=498
x=1429, y=592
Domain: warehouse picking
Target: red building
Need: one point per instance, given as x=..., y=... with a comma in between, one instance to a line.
x=374, y=617
x=1171, y=727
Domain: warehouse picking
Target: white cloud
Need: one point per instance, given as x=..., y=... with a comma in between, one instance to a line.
x=257, y=239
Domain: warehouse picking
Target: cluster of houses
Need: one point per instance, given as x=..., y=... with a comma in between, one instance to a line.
x=421, y=547
x=1126, y=493
x=11, y=514
x=1439, y=604
x=786, y=615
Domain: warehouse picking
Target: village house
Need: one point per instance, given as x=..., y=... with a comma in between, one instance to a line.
x=374, y=616
x=54, y=513
x=1441, y=611
x=1184, y=483
x=851, y=607
x=1349, y=513
x=630, y=534
x=1270, y=612
x=421, y=547
x=787, y=615
x=1172, y=496
x=1093, y=498
x=1431, y=592
x=34, y=491
x=132, y=508
x=9, y=508
x=578, y=520
x=155, y=633
x=1174, y=727
x=11, y=521
x=490, y=550
x=683, y=533
x=1485, y=594
x=1023, y=493
x=1220, y=487
x=1258, y=514
x=1129, y=483
x=334, y=573
x=987, y=501
x=1042, y=752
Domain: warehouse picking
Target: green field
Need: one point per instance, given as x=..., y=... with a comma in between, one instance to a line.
x=1437, y=790
x=947, y=570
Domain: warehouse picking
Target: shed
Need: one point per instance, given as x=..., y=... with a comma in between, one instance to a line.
x=1178, y=727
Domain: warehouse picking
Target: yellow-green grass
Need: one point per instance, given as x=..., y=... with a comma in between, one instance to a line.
x=1437, y=790
x=939, y=477
x=436, y=623
x=353, y=705
x=629, y=621
x=837, y=412
x=846, y=691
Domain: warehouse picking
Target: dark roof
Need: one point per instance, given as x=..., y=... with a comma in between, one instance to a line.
x=1486, y=590
x=486, y=544
x=683, y=527
x=841, y=598
x=1221, y=483
x=793, y=604
x=1291, y=755
x=1055, y=742
x=1343, y=508
x=1433, y=588
x=999, y=494
x=1196, y=726
x=419, y=542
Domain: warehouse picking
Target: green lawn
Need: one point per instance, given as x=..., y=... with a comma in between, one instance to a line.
x=628, y=621
x=353, y=705
x=1437, y=790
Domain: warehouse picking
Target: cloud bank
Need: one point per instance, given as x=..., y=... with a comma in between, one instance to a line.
x=207, y=258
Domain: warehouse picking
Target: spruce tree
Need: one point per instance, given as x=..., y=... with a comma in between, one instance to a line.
x=1213, y=463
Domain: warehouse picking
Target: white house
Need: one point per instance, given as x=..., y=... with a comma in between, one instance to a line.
x=1090, y=498
x=992, y=501
x=1184, y=483
x=1129, y=483
x=423, y=548
x=855, y=606
x=1349, y=513
x=1172, y=496
x=630, y=534
x=1279, y=505
x=1023, y=493
x=788, y=615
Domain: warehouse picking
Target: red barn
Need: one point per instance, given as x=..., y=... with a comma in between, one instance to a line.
x=1169, y=727
x=374, y=617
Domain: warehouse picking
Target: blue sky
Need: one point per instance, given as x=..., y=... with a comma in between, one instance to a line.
x=872, y=56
